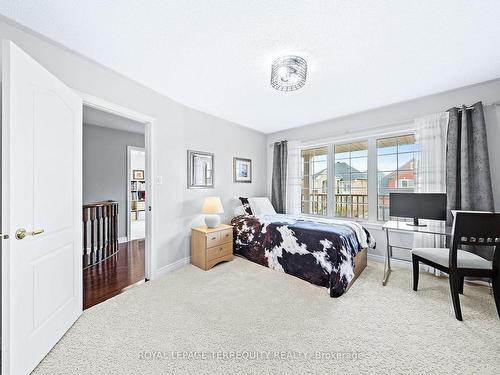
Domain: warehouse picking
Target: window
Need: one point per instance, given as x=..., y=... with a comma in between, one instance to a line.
x=357, y=183
x=397, y=159
x=351, y=180
x=314, y=198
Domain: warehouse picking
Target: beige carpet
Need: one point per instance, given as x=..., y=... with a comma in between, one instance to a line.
x=241, y=318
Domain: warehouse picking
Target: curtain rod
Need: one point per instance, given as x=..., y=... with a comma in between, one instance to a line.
x=389, y=125
x=484, y=105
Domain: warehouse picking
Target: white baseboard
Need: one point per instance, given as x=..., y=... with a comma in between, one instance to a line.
x=399, y=263
x=171, y=267
x=394, y=262
x=122, y=239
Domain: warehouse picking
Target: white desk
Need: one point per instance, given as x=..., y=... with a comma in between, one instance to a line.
x=435, y=228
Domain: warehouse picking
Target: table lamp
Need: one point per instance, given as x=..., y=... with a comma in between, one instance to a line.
x=212, y=207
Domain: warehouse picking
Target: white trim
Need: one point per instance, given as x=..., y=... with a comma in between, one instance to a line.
x=122, y=239
x=370, y=225
x=128, y=179
x=372, y=175
x=330, y=176
x=116, y=109
x=150, y=254
x=171, y=267
x=352, y=136
x=394, y=261
x=400, y=263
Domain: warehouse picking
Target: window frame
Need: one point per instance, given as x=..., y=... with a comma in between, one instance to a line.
x=309, y=175
x=372, y=172
x=397, y=154
x=334, y=161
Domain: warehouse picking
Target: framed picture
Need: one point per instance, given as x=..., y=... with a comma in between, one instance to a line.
x=200, y=170
x=138, y=174
x=242, y=170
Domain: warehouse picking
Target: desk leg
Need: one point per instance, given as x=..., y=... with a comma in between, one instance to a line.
x=387, y=261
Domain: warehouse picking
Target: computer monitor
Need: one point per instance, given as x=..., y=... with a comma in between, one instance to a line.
x=430, y=206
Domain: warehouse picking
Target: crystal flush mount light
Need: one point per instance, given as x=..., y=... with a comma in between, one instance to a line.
x=289, y=73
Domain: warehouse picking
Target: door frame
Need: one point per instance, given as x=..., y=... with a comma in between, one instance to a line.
x=129, y=200
x=149, y=123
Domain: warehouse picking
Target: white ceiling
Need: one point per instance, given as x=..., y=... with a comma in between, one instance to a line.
x=216, y=56
x=92, y=116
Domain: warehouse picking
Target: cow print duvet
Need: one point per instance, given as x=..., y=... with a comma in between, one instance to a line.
x=318, y=251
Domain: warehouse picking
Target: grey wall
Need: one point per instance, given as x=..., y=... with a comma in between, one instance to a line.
x=178, y=129
x=105, y=167
x=487, y=92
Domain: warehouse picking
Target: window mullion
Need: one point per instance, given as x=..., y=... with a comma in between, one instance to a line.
x=372, y=180
x=331, y=181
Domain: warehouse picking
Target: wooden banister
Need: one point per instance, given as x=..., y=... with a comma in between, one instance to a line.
x=100, y=232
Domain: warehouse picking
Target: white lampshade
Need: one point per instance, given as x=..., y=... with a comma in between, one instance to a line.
x=212, y=205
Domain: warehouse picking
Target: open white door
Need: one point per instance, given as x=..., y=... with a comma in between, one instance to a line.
x=41, y=191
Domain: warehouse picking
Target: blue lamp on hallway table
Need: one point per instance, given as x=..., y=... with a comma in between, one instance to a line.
x=212, y=208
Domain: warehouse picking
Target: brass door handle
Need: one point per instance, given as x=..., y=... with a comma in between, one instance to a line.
x=21, y=233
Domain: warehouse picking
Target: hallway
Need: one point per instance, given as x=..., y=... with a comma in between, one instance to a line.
x=115, y=274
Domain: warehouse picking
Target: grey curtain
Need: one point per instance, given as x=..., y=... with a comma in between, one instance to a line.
x=278, y=188
x=468, y=178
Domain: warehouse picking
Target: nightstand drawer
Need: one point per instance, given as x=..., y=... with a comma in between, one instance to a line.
x=219, y=251
x=226, y=236
x=215, y=261
x=219, y=238
x=213, y=239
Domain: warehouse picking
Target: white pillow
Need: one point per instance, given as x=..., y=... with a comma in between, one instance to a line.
x=239, y=210
x=261, y=206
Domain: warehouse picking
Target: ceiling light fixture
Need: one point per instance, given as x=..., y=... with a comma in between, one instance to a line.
x=289, y=73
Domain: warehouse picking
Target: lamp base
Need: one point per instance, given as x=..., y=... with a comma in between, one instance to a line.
x=212, y=221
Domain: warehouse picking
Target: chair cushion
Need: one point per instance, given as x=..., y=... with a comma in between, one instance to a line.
x=465, y=259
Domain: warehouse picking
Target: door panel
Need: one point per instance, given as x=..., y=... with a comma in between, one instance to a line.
x=51, y=118
x=49, y=297
x=41, y=189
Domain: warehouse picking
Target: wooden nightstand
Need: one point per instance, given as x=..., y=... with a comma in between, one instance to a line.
x=210, y=246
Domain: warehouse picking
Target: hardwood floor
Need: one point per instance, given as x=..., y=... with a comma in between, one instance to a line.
x=115, y=274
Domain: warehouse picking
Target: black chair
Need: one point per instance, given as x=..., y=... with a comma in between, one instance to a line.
x=469, y=229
